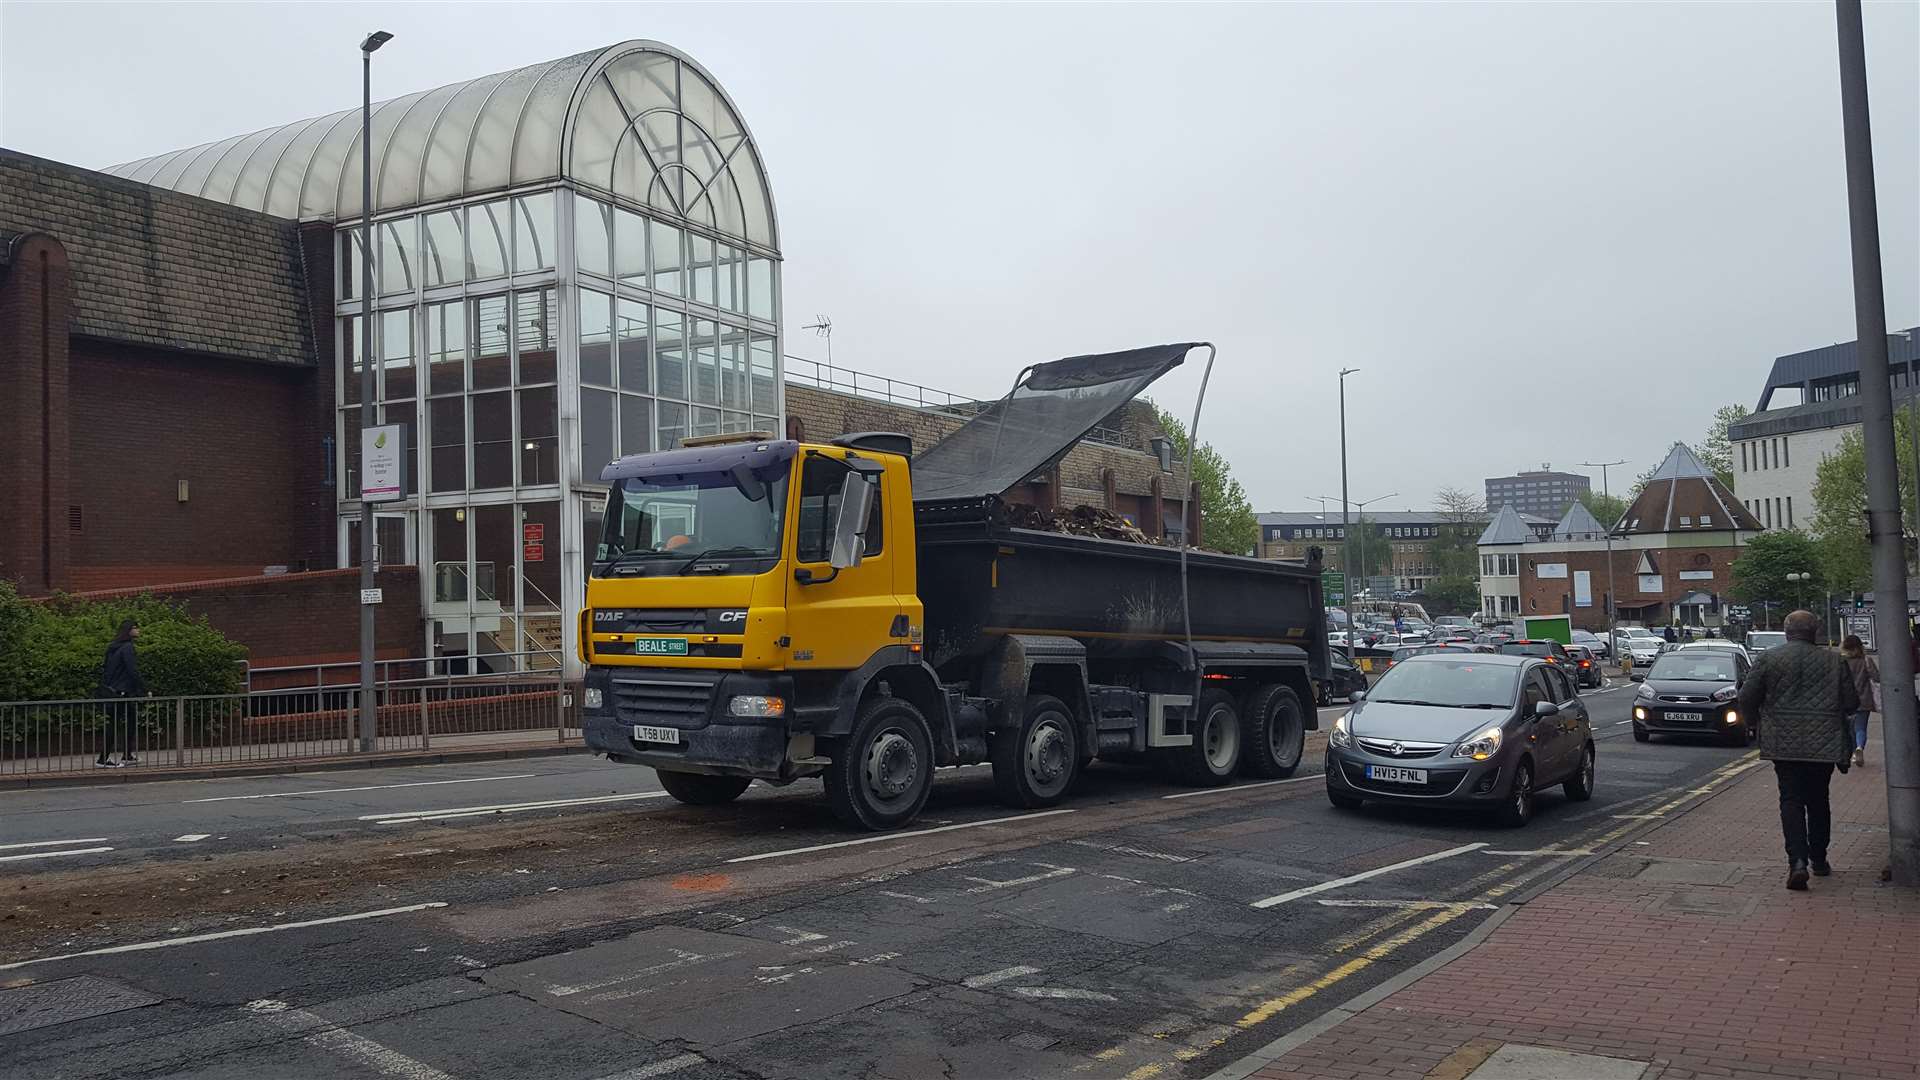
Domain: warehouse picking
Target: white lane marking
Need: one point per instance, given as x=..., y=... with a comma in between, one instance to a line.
x=316, y=1031
x=975, y=982
x=1540, y=851
x=1240, y=787
x=1066, y=993
x=54, y=854
x=800, y=937
x=988, y=884
x=192, y=939
x=54, y=843
x=1637, y=817
x=907, y=896
x=1141, y=852
x=895, y=836
x=658, y=1068
x=404, y=817
x=370, y=787
x=1416, y=905
x=684, y=959
x=1287, y=897
x=191, y=838
x=1622, y=723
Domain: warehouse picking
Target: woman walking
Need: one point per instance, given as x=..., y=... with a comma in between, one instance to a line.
x=1866, y=683
x=120, y=682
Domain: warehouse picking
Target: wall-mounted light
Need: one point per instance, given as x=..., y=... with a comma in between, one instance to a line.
x=181, y=494
x=460, y=514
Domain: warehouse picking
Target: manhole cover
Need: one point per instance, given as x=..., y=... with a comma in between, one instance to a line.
x=1688, y=872
x=64, y=1001
x=1707, y=902
x=1033, y=1040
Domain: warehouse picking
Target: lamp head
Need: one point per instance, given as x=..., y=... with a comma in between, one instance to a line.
x=374, y=41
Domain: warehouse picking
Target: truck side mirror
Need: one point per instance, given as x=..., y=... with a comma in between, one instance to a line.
x=849, y=529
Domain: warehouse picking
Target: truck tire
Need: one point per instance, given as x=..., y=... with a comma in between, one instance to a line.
x=1036, y=763
x=699, y=789
x=882, y=773
x=1214, y=755
x=1273, y=732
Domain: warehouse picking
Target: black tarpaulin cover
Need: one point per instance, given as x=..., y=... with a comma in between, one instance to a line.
x=1054, y=406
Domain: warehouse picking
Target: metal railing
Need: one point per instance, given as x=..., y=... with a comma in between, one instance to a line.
x=823, y=376
x=443, y=710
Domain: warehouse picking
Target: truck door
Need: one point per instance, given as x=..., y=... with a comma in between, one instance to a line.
x=837, y=620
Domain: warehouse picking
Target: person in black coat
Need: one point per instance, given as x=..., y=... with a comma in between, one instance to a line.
x=120, y=683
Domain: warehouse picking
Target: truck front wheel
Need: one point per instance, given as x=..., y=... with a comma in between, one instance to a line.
x=1035, y=763
x=1214, y=755
x=1273, y=732
x=699, y=789
x=882, y=773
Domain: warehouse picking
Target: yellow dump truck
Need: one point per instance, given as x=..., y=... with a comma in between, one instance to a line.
x=766, y=609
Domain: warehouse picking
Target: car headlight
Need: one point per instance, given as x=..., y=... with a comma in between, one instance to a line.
x=1726, y=693
x=1341, y=735
x=755, y=705
x=1645, y=692
x=593, y=697
x=1480, y=747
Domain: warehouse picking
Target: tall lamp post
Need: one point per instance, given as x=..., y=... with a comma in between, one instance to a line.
x=1613, y=643
x=1346, y=566
x=368, y=710
x=1346, y=523
x=1798, y=581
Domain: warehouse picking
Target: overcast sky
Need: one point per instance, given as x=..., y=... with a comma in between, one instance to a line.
x=1544, y=233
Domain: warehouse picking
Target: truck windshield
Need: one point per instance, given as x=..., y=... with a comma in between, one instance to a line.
x=703, y=523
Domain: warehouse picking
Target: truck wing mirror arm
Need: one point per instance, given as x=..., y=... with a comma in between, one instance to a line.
x=804, y=575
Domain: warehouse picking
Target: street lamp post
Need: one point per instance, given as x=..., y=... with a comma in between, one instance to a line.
x=1613, y=643
x=1346, y=523
x=368, y=713
x=1799, y=590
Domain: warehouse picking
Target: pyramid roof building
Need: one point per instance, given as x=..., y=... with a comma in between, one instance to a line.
x=1684, y=495
x=1578, y=523
x=1507, y=527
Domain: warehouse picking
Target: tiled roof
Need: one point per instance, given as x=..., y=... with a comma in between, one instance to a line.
x=1507, y=527
x=153, y=267
x=1578, y=523
x=1684, y=495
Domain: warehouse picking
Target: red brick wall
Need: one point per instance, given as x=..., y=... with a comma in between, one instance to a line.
x=306, y=618
x=313, y=499
x=35, y=309
x=142, y=422
x=1554, y=596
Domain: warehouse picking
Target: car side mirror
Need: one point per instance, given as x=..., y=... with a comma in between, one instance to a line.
x=849, y=529
x=1357, y=696
x=1637, y=677
x=1545, y=709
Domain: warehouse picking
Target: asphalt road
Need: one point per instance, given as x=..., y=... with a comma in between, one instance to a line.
x=452, y=928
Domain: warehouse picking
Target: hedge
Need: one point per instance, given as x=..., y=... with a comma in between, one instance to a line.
x=54, y=650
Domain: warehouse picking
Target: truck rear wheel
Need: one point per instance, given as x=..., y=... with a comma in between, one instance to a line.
x=1273, y=733
x=1214, y=755
x=699, y=789
x=882, y=773
x=1035, y=763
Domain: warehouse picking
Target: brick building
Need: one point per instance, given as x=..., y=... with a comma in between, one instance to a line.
x=1672, y=555
x=1410, y=534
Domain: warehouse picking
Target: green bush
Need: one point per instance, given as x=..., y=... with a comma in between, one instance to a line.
x=55, y=650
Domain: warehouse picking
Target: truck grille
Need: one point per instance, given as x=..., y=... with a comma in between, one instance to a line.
x=676, y=703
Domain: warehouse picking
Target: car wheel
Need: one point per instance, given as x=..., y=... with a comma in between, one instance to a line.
x=1273, y=733
x=699, y=789
x=1640, y=734
x=1518, y=809
x=1035, y=763
x=1579, y=786
x=1342, y=801
x=882, y=773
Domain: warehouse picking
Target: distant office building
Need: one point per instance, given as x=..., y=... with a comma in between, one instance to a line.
x=1544, y=492
x=1411, y=533
x=1778, y=449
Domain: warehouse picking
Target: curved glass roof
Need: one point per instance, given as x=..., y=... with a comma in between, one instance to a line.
x=638, y=119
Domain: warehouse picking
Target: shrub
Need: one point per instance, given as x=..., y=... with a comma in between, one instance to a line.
x=55, y=650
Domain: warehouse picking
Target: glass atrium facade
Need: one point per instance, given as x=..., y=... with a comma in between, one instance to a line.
x=572, y=262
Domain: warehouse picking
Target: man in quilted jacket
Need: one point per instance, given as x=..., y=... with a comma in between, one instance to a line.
x=1801, y=696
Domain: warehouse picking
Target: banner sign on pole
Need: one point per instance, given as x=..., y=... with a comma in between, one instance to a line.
x=383, y=456
x=1583, y=588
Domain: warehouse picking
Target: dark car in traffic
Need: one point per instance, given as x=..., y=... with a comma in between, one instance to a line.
x=1551, y=651
x=1463, y=729
x=1693, y=692
x=1586, y=670
x=1343, y=679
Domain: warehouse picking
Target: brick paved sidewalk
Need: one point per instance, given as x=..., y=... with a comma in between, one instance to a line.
x=1683, y=951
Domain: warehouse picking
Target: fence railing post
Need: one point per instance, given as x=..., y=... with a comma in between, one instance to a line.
x=423, y=713
x=180, y=731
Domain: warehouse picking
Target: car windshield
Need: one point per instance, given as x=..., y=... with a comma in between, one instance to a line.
x=1694, y=665
x=1462, y=683
x=659, y=525
x=1527, y=648
x=1765, y=639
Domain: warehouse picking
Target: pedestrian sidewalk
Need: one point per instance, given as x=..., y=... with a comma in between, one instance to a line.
x=1681, y=955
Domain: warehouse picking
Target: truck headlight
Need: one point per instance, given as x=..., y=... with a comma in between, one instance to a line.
x=593, y=697
x=1341, y=736
x=755, y=705
x=1480, y=747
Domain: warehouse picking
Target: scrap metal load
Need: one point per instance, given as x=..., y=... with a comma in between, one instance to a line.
x=1079, y=521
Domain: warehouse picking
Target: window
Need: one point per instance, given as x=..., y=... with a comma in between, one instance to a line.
x=819, y=508
x=396, y=267
x=669, y=355
x=351, y=251
x=444, y=262
x=630, y=247
x=539, y=437
x=1743, y=457
x=492, y=440
x=396, y=354
x=596, y=338
x=536, y=322
x=447, y=432
x=668, y=259
x=1789, y=512
x=760, y=288
x=632, y=330
x=1562, y=687
x=446, y=348
x=487, y=233
x=1706, y=521
x=1685, y=520
x=593, y=236
x=533, y=232
x=596, y=432
x=1786, y=453
x=492, y=366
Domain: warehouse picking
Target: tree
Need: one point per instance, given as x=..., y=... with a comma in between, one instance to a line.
x=1606, y=508
x=1717, y=450
x=1372, y=551
x=1227, y=522
x=1456, y=553
x=1760, y=573
x=1840, y=506
x=1460, y=507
